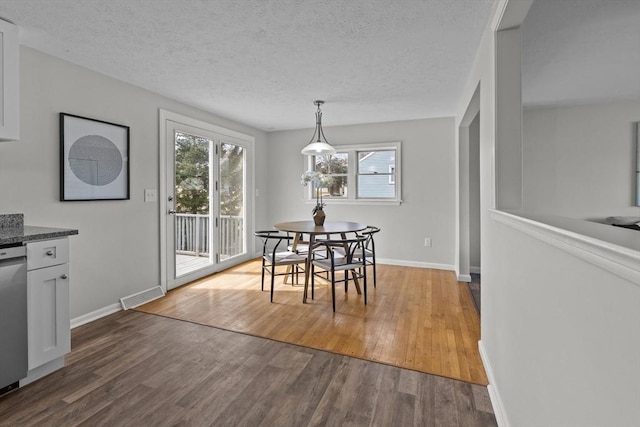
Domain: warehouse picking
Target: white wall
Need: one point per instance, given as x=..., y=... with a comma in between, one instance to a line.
x=560, y=337
x=117, y=250
x=567, y=349
x=428, y=187
x=580, y=161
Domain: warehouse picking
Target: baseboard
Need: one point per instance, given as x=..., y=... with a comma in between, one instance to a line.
x=418, y=264
x=42, y=371
x=95, y=315
x=492, y=388
x=475, y=270
x=464, y=278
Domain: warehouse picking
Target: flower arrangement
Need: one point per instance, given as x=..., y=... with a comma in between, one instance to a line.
x=317, y=179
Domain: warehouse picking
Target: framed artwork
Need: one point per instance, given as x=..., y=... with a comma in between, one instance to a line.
x=94, y=159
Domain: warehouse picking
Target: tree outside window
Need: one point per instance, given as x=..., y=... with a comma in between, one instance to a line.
x=335, y=169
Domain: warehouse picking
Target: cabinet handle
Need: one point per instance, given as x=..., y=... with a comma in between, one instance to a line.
x=64, y=277
x=49, y=253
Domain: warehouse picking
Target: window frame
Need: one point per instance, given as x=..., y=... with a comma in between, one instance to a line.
x=352, y=175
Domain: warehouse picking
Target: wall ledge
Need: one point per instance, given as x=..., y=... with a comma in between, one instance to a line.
x=612, y=255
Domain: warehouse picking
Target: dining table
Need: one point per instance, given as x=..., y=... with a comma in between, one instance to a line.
x=300, y=228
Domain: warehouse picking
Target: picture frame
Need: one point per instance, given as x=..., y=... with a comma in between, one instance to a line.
x=94, y=159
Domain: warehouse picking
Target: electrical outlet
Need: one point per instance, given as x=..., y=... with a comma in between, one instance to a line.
x=427, y=242
x=150, y=195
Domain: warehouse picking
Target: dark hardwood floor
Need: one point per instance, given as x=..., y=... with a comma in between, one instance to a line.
x=138, y=369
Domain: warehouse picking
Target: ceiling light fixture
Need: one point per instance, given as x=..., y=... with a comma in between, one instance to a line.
x=320, y=146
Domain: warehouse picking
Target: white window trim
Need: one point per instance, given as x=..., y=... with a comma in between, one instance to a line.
x=352, y=175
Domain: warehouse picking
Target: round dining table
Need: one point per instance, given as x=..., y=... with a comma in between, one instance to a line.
x=313, y=230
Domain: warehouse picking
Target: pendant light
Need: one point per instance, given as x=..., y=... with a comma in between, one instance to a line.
x=320, y=146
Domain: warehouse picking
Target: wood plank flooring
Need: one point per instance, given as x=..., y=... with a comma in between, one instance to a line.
x=416, y=318
x=137, y=369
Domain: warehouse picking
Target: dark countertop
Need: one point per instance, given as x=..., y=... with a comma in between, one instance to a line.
x=27, y=233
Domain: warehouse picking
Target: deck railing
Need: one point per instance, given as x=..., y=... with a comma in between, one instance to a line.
x=192, y=231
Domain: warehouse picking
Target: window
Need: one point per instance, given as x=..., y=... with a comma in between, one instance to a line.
x=366, y=173
x=335, y=169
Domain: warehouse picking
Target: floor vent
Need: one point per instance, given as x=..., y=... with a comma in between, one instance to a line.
x=132, y=301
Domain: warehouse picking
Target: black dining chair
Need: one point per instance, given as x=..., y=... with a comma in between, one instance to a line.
x=370, y=248
x=332, y=255
x=272, y=257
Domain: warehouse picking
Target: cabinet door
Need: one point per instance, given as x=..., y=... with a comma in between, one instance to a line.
x=9, y=82
x=48, y=314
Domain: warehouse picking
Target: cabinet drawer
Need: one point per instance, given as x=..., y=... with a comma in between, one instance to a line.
x=46, y=253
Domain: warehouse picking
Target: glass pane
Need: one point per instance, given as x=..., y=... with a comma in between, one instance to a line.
x=372, y=162
x=232, y=172
x=335, y=186
x=375, y=187
x=192, y=174
x=332, y=164
x=192, y=220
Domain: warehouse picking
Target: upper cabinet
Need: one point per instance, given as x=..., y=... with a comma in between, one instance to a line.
x=9, y=82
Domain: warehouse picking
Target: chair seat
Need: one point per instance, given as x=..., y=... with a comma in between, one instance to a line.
x=367, y=253
x=340, y=264
x=285, y=258
x=301, y=248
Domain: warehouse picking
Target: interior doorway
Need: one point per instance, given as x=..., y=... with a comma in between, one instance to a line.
x=469, y=212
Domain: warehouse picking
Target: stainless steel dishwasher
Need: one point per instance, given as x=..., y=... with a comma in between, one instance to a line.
x=13, y=316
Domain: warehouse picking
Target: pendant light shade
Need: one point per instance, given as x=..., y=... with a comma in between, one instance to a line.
x=318, y=145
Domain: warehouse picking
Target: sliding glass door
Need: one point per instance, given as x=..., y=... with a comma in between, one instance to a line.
x=206, y=202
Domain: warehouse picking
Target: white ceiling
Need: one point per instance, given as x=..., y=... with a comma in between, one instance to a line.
x=263, y=62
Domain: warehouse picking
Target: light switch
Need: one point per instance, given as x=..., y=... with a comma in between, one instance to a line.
x=150, y=195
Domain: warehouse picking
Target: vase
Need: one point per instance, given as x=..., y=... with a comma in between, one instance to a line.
x=318, y=216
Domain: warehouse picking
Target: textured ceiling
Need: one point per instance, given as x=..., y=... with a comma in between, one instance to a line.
x=263, y=62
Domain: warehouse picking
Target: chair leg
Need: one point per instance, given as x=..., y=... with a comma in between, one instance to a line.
x=374, y=272
x=333, y=289
x=364, y=279
x=262, y=283
x=272, y=280
x=346, y=281
x=313, y=281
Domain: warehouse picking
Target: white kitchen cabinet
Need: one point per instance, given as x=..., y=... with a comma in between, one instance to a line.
x=48, y=317
x=10, y=82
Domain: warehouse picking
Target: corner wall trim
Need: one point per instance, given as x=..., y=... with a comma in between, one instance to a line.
x=492, y=388
x=95, y=315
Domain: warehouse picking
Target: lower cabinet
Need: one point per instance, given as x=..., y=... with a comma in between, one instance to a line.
x=48, y=317
x=48, y=314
